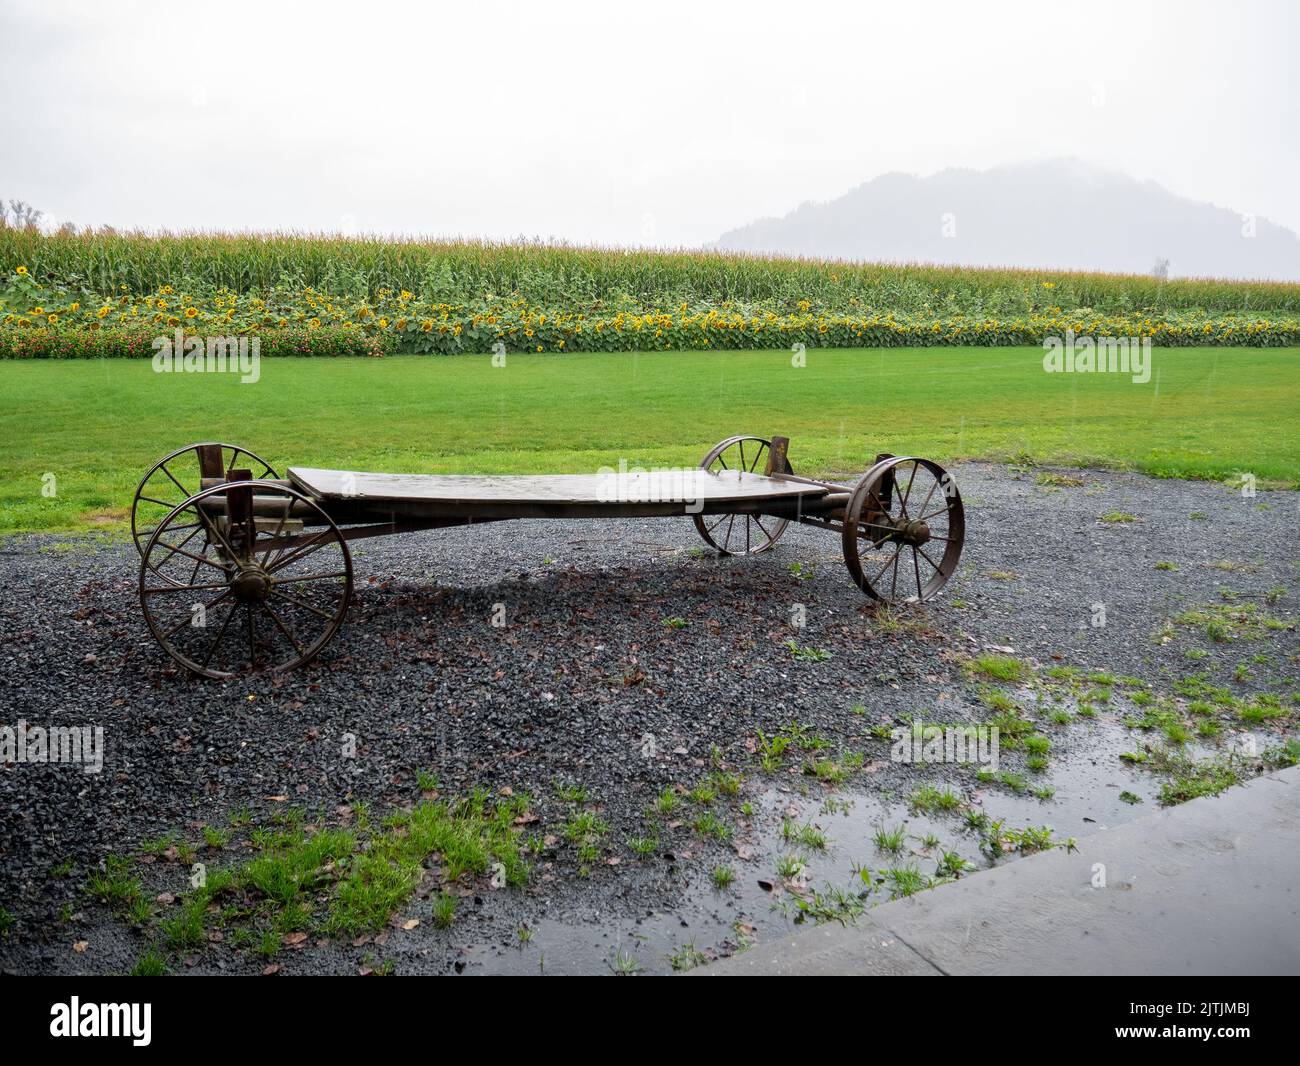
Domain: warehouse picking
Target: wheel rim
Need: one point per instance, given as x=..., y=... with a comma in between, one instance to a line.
x=739, y=534
x=174, y=478
x=904, y=527
x=265, y=599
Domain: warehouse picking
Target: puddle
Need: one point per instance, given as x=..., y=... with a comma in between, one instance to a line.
x=1086, y=773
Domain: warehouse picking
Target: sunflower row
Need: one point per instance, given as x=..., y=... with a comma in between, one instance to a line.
x=43, y=320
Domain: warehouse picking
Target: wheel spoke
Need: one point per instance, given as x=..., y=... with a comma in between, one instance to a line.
x=206, y=607
x=301, y=551
x=224, y=626
x=309, y=577
x=924, y=502
x=301, y=603
x=184, y=588
x=881, y=572
x=184, y=491
x=902, y=504
x=288, y=501
x=289, y=636
x=195, y=573
x=916, y=567
x=215, y=529
x=928, y=559
x=172, y=551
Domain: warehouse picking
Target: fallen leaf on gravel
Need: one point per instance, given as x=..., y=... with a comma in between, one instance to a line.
x=165, y=898
x=293, y=939
x=742, y=852
x=766, y=886
x=270, y=971
x=613, y=860
x=1005, y=649
x=382, y=938
x=410, y=923
x=216, y=936
x=507, y=791
x=361, y=941
x=276, y=799
x=676, y=825
x=170, y=854
x=527, y=818
x=364, y=971
x=80, y=946
x=550, y=840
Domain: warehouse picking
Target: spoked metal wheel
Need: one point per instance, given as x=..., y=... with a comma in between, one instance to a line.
x=904, y=527
x=739, y=534
x=176, y=477
x=266, y=592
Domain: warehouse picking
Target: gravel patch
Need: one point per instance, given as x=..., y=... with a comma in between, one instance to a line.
x=569, y=690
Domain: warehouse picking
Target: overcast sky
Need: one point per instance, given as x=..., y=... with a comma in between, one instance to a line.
x=656, y=123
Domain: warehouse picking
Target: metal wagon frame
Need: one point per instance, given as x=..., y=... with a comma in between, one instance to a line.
x=227, y=545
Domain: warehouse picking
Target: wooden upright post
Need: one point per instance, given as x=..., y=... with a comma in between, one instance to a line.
x=777, y=457
x=211, y=465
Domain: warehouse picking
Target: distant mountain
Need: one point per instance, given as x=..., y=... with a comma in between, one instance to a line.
x=1062, y=214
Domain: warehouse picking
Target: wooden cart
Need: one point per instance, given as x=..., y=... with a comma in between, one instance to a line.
x=242, y=570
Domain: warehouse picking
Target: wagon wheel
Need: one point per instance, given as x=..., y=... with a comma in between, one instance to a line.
x=908, y=514
x=739, y=534
x=266, y=592
x=176, y=477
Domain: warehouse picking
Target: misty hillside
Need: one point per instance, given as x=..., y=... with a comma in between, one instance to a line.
x=1061, y=214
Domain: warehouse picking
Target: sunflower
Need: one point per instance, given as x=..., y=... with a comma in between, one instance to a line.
x=22, y=271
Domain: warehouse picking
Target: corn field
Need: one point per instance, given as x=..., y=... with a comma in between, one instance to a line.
x=451, y=296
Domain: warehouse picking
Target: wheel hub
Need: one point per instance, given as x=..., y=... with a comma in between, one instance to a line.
x=251, y=585
x=914, y=532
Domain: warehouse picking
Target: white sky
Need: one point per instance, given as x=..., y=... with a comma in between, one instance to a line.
x=663, y=123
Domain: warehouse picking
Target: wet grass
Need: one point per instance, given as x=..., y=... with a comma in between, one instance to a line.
x=97, y=426
x=304, y=879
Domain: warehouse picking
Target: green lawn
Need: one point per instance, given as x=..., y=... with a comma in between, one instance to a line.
x=98, y=426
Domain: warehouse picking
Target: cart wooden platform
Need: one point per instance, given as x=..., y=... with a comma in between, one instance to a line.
x=242, y=570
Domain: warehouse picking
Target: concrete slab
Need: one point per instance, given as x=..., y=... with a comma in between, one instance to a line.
x=1209, y=887
x=870, y=950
